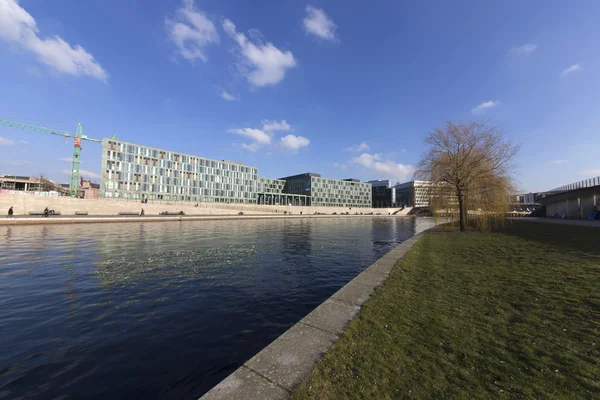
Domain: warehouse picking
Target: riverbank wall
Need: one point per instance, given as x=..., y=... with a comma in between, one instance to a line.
x=24, y=204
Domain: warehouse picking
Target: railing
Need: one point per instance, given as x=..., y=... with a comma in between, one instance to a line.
x=586, y=183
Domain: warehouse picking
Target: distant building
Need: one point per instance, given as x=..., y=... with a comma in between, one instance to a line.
x=140, y=172
x=89, y=190
x=134, y=171
x=413, y=194
x=383, y=193
x=19, y=183
x=329, y=192
x=575, y=200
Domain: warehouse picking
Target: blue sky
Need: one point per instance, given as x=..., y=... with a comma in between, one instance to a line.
x=290, y=86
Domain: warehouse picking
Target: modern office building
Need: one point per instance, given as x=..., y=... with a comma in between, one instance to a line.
x=134, y=171
x=329, y=192
x=383, y=193
x=414, y=194
x=140, y=172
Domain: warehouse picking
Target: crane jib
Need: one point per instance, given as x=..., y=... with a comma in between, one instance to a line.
x=77, y=138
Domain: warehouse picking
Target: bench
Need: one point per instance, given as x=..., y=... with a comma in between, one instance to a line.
x=81, y=213
x=129, y=213
x=42, y=213
x=171, y=213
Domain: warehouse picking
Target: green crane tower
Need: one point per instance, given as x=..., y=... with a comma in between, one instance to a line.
x=77, y=138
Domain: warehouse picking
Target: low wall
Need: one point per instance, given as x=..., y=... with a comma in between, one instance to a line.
x=23, y=204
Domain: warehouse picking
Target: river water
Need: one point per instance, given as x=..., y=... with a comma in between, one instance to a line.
x=166, y=310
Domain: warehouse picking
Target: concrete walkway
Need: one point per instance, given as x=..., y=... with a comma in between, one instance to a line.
x=24, y=220
x=579, y=222
x=284, y=364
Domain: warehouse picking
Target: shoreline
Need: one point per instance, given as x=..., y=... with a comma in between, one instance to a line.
x=159, y=218
x=278, y=369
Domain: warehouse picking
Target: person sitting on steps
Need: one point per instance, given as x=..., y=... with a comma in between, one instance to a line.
x=10, y=212
x=46, y=212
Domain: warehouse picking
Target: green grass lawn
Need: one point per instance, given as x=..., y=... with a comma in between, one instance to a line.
x=511, y=314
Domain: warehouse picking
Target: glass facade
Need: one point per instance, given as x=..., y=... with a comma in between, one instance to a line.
x=329, y=192
x=140, y=172
x=133, y=171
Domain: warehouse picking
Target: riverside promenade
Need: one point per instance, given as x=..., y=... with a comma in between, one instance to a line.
x=54, y=220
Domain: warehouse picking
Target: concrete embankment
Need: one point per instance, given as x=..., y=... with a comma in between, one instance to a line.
x=24, y=204
x=284, y=364
x=53, y=220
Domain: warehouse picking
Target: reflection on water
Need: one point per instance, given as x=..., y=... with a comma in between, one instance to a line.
x=166, y=310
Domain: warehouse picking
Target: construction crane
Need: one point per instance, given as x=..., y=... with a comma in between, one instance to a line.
x=77, y=138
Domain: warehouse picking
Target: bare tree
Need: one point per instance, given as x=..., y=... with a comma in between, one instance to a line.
x=471, y=163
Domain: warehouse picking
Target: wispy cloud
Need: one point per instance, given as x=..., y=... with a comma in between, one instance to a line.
x=23, y=141
x=340, y=165
x=527, y=48
x=6, y=142
x=18, y=26
x=191, y=31
x=83, y=173
x=276, y=125
x=257, y=135
x=228, y=96
x=571, y=69
x=359, y=147
x=384, y=169
x=263, y=64
x=317, y=23
x=486, y=105
x=590, y=172
x=293, y=143
x=559, y=161
x=66, y=159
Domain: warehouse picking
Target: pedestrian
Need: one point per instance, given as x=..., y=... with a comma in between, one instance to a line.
x=10, y=212
x=142, y=213
x=46, y=212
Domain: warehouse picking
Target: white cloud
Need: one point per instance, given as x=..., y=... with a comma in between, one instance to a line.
x=385, y=169
x=590, y=172
x=259, y=138
x=360, y=147
x=6, y=142
x=559, y=161
x=485, y=106
x=12, y=163
x=265, y=63
x=317, y=23
x=527, y=48
x=66, y=159
x=228, y=96
x=403, y=150
x=23, y=141
x=253, y=147
x=276, y=126
x=18, y=26
x=191, y=31
x=83, y=173
x=293, y=142
x=339, y=165
x=571, y=69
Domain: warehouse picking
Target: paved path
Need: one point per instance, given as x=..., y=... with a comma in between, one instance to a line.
x=82, y=219
x=580, y=222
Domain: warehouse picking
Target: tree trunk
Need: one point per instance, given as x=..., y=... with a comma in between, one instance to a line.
x=462, y=212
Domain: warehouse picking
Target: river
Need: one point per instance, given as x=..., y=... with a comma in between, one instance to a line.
x=166, y=310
